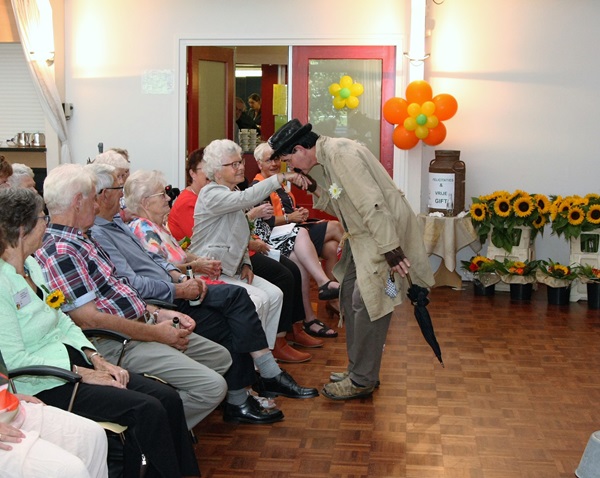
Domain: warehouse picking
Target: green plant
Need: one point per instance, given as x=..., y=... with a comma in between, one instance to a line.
x=573, y=215
x=557, y=270
x=587, y=272
x=518, y=268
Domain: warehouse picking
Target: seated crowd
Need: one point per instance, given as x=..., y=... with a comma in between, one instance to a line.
x=209, y=301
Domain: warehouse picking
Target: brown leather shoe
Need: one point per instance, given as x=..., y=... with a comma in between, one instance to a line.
x=284, y=352
x=301, y=338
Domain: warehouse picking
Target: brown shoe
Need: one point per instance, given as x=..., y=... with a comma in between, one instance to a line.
x=301, y=338
x=284, y=352
x=345, y=390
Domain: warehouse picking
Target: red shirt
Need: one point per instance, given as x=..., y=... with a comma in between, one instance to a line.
x=181, y=217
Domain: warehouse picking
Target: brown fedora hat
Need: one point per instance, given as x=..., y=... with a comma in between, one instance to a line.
x=288, y=136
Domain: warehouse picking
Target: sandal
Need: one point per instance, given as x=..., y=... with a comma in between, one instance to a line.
x=322, y=332
x=325, y=293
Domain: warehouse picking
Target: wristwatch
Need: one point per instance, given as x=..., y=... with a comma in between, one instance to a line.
x=182, y=277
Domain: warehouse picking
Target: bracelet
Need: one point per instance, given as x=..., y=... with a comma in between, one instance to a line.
x=285, y=216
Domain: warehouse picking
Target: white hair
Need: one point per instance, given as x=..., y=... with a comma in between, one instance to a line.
x=113, y=158
x=63, y=183
x=140, y=185
x=104, y=175
x=20, y=172
x=260, y=150
x=214, y=154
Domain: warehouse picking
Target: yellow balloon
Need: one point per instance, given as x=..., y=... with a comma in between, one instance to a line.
x=339, y=103
x=410, y=123
x=346, y=81
x=432, y=121
x=334, y=89
x=428, y=108
x=421, y=132
x=414, y=110
x=357, y=89
x=352, y=102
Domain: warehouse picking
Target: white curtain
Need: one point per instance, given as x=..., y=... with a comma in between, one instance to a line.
x=34, y=22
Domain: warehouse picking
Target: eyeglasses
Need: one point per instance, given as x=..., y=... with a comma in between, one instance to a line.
x=45, y=218
x=162, y=193
x=235, y=165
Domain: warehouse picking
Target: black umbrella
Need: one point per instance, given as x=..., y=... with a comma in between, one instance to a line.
x=418, y=298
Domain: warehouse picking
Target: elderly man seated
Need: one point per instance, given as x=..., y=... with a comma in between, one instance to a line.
x=226, y=313
x=96, y=298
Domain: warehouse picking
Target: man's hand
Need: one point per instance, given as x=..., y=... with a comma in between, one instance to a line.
x=190, y=289
x=397, y=261
x=185, y=321
x=169, y=335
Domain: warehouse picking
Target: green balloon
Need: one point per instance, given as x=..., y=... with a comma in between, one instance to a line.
x=421, y=119
x=345, y=93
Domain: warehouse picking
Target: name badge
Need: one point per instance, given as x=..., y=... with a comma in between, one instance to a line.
x=22, y=298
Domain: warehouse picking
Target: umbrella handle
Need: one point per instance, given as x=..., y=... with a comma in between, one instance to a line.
x=409, y=279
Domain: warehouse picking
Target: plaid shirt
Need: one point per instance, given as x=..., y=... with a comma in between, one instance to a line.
x=80, y=268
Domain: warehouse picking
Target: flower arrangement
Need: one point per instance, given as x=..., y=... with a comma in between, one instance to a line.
x=518, y=272
x=573, y=215
x=554, y=274
x=587, y=273
x=501, y=212
x=483, y=269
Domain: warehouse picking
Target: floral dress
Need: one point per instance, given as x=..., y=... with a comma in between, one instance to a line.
x=158, y=239
x=284, y=244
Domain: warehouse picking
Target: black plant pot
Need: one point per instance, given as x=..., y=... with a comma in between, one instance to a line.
x=520, y=291
x=558, y=295
x=593, y=295
x=480, y=289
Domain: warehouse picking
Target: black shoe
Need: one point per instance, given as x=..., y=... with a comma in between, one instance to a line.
x=284, y=385
x=250, y=412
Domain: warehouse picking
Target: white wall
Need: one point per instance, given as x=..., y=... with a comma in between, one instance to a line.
x=526, y=78
x=111, y=43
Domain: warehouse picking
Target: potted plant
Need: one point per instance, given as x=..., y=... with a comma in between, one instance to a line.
x=484, y=274
x=501, y=216
x=557, y=278
x=590, y=275
x=520, y=275
x=572, y=215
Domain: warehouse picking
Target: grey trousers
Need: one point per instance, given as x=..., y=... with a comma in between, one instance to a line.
x=197, y=374
x=365, y=340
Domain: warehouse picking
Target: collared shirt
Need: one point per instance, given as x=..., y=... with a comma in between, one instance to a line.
x=148, y=272
x=81, y=269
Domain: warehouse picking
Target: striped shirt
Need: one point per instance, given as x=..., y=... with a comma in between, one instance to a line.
x=79, y=267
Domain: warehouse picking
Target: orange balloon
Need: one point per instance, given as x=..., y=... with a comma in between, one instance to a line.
x=436, y=135
x=404, y=139
x=418, y=91
x=394, y=110
x=445, y=106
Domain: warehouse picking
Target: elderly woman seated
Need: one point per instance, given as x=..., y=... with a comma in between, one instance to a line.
x=221, y=228
x=22, y=177
x=36, y=332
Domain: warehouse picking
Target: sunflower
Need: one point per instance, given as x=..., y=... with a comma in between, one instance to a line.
x=502, y=206
x=558, y=270
x=496, y=195
x=575, y=216
x=517, y=194
x=542, y=202
x=539, y=222
x=478, y=211
x=523, y=206
x=593, y=214
x=565, y=204
x=55, y=299
x=553, y=212
x=593, y=197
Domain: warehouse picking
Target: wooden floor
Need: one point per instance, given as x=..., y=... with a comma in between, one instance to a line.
x=519, y=397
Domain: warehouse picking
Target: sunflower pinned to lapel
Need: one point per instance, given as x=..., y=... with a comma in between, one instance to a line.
x=55, y=298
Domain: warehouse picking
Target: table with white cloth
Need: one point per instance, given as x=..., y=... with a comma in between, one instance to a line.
x=444, y=237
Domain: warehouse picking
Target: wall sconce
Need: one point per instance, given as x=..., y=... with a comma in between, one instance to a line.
x=416, y=61
x=48, y=57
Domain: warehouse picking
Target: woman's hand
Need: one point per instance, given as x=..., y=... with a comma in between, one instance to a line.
x=119, y=374
x=258, y=245
x=99, y=377
x=299, y=180
x=247, y=273
x=9, y=434
x=207, y=266
x=264, y=211
x=28, y=398
x=299, y=215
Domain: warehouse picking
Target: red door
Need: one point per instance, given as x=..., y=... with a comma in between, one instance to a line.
x=315, y=68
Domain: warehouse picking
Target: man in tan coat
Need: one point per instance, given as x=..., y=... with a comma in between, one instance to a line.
x=382, y=235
